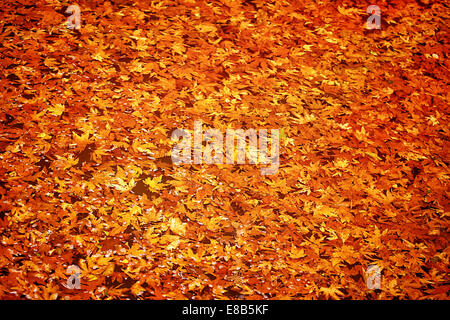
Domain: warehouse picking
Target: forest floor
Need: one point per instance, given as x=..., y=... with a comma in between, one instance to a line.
x=89, y=190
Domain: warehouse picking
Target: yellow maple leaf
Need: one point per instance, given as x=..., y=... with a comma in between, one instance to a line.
x=44, y=135
x=348, y=11
x=81, y=140
x=100, y=55
x=57, y=109
x=144, y=148
x=206, y=28
x=154, y=184
x=68, y=162
x=137, y=289
x=178, y=48
x=98, y=153
x=121, y=185
x=109, y=269
x=297, y=253
x=332, y=291
x=176, y=226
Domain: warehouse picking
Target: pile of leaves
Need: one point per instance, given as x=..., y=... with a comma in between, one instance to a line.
x=86, y=176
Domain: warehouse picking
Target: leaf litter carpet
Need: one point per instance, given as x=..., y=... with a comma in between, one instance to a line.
x=86, y=176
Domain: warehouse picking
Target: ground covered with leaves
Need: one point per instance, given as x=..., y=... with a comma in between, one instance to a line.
x=86, y=176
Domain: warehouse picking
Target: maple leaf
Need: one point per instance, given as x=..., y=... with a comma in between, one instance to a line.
x=98, y=153
x=154, y=184
x=56, y=109
x=67, y=162
x=144, y=147
x=122, y=185
x=206, y=27
x=44, y=135
x=349, y=11
x=178, y=48
x=137, y=289
x=363, y=157
x=177, y=226
x=333, y=292
x=100, y=55
x=297, y=253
